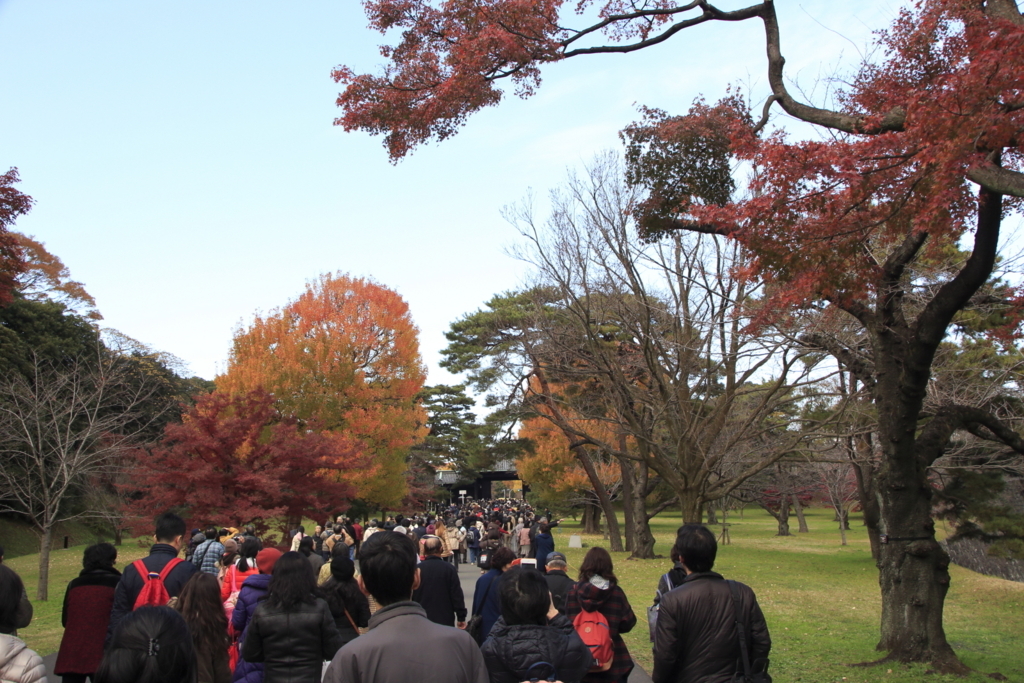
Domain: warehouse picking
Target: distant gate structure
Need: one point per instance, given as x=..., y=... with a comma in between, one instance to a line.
x=479, y=488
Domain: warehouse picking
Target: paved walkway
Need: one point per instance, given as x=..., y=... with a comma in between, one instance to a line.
x=468, y=574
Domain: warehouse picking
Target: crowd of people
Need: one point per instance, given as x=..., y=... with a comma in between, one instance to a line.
x=221, y=606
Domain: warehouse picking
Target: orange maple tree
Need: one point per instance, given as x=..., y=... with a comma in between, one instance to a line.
x=346, y=354
x=552, y=468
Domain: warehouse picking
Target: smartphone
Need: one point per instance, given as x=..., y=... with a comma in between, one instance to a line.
x=528, y=562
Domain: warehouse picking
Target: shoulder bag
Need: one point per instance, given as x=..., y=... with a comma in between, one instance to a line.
x=475, y=624
x=652, y=610
x=761, y=675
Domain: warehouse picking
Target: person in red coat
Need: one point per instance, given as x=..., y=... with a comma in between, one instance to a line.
x=87, y=604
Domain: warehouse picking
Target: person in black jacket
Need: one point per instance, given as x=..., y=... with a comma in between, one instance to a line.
x=695, y=640
x=559, y=582
x=350, y=608
x=293, y=631
x=531, y=639
x=440, y=591
x=169, y=537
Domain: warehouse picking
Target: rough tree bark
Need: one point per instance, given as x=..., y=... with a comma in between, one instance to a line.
x=591, y=514
x=798, y=508
x=637, y=518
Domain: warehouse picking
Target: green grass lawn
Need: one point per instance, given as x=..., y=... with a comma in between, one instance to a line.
x=821, y=600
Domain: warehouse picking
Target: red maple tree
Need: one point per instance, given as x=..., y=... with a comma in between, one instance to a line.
x=236, y=459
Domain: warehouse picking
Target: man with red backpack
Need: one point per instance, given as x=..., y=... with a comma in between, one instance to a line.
x=165, y=571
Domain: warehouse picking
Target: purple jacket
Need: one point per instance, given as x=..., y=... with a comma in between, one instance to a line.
x=254, y=589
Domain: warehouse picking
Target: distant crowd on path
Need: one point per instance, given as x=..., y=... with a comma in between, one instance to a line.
x=233, y=610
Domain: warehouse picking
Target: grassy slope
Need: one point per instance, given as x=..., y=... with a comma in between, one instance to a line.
x=822, y=601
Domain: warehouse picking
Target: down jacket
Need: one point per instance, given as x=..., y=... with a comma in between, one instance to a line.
x=18, y=664
x=253, y=590
x=511, y=651
x=696, y=640
x=292, y=644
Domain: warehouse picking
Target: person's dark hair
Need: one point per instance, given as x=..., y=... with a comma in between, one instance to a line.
x=150, y=645
x=169, y=526
x=696, y=547
x=544, y=528
x=388, y=564
x=301, y=529
x=250, y=530
x=11, y=590
x=339, y=549
x=292, y=582
x=99, y=556
x=210, y=533
x=597, y=562
x=341, y=591
x=524, y=597
x=201, y=605
x=250, y=547
x=431, y=545
x=222, y=532
x=306, y=545
x=502, y=557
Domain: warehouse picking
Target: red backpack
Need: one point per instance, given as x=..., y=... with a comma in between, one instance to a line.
x=595, y=633
x=154, y=592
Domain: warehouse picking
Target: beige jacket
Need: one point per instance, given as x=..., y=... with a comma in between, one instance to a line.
x=18, y=664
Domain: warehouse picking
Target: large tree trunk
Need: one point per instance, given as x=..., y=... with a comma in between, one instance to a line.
x=866, y=493
x=614, y=537
x=781, y=516
x=626, y=470
x=591, y=514
x=914, y=579
x=45, y=543
x=643, y=540
x=913, y=567
x=691, y=504
x=798, y=508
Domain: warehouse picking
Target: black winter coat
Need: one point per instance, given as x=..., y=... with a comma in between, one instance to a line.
x=130, y=585
x=559, y=584
x=440, y=592
x=292, y=644
x=696, y=641
x=510, y=651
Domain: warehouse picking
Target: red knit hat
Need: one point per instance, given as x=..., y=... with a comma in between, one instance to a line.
x=266, y=559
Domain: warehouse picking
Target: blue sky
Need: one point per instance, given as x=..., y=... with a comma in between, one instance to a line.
x=185, y=167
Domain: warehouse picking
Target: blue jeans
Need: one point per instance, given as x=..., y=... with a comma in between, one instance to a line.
x=474, y=553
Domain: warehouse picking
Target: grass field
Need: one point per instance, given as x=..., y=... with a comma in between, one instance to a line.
x=821, y=600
